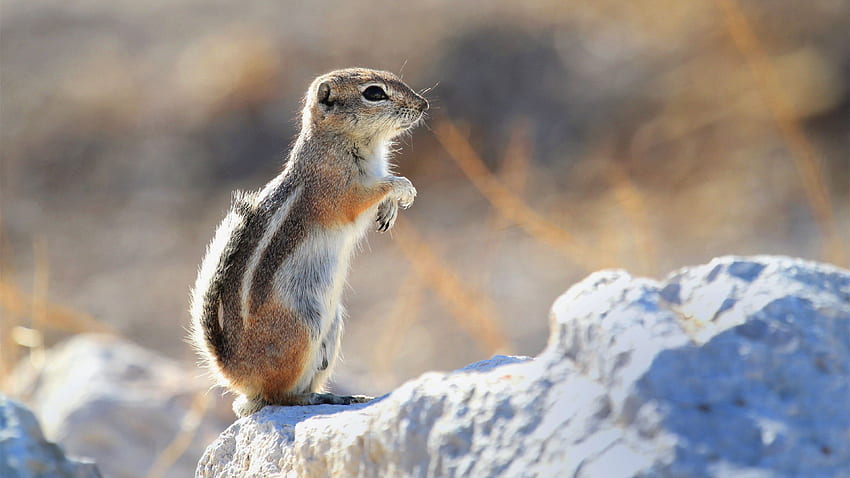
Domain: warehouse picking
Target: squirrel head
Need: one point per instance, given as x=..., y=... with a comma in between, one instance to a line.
x=366, y=105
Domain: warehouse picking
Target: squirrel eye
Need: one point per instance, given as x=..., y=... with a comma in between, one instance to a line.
x=374, y=93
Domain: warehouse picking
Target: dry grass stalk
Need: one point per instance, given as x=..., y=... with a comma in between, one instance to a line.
x=180, y=443
x=805, y=158
x=14, y=302
x=9, y=321
x=516, y=165
x=633, y=202
x=40, y=290
x=514, y=173
x=401, y=318
x=511, y=206
x=473, y=310
x=45, y=316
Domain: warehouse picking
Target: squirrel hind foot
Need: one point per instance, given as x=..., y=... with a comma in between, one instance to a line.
x=244, y=406
x=332, y=399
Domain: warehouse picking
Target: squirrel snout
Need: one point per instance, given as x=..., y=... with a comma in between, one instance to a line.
x=422, y=104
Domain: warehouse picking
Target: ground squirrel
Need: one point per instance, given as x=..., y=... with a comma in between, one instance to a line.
x=266, y=310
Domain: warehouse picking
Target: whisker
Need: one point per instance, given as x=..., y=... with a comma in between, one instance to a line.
x=426, y=90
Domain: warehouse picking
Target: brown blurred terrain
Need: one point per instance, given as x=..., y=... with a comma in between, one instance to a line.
x=564, y=137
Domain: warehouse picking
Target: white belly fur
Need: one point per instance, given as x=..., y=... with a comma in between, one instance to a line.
x=327, y=254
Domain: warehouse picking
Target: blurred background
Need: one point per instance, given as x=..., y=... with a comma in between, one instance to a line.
x=564, y=137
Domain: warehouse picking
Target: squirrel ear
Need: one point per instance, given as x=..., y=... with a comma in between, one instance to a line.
x=323, y=94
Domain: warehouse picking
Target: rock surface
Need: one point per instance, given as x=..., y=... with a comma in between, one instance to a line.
x=24, y=453
x=735, y=368
x=123, y=405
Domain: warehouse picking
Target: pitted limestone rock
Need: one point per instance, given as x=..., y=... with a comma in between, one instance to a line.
x=735, y=368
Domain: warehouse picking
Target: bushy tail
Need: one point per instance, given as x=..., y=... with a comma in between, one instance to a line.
x=208, y=335
x=214, y=337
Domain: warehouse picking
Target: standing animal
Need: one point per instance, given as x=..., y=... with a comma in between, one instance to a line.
x=266, y=307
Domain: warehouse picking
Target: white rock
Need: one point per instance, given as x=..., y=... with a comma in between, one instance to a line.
x=24, y=453
x=736, y=368
x=103, y=397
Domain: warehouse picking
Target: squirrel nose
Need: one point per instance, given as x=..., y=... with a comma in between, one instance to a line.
x=423, y=104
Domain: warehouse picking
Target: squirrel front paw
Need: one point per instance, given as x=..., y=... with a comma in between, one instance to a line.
x=387, y=214
x=403, y=191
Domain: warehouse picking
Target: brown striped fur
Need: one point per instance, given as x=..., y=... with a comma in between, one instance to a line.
x=266, y=307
